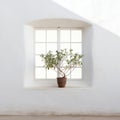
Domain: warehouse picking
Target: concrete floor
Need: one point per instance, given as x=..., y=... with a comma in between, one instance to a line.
x=58, y=118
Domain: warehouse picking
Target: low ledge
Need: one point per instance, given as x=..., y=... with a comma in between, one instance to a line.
x=65, y=115
x=38, y=85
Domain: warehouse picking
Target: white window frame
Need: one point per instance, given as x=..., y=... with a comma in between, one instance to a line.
x=58, y=47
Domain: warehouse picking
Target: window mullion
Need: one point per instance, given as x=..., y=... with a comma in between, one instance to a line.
x=70, y=48
x=58, y=39
x=46, y=50
x=58, y=44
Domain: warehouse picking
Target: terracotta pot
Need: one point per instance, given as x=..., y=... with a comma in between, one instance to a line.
x=61, y=81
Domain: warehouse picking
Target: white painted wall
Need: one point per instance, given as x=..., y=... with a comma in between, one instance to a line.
x=102, y=97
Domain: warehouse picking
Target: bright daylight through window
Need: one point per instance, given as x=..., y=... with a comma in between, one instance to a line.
x=56, y=39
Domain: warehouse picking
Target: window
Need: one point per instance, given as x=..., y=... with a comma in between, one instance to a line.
x=56, y=39
x=40, y=34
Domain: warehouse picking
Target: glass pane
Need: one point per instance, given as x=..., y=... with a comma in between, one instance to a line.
x=76, y=74
x=51, y=35
x=40, y=36
x=65, y=46
x=77, y=47
x=64, y=35
x=51, y=47
x=38, y=61
x=51, y=74
x=40, y=48
x=76, y=36
x=40, y=73
x=64, y=64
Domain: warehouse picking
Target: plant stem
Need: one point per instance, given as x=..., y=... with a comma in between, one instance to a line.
x=61, y=71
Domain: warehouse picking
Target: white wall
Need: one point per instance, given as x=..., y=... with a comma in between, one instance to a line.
x=102, y=97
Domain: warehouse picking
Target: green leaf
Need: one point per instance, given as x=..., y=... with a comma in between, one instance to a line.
x=67, y=56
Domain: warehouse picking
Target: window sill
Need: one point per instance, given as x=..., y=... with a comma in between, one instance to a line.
x=42, y=84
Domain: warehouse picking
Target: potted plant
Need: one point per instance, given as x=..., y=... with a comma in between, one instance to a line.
x=63, y=61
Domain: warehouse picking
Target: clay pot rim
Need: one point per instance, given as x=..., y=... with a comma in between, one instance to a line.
x=62, y=77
